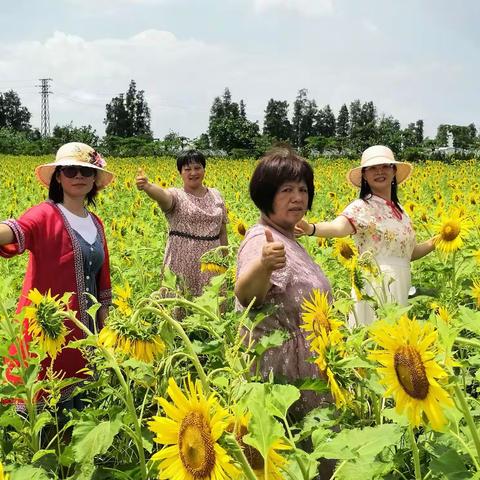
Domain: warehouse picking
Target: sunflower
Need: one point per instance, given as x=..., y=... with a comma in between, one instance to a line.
x=451, y=232
x=122, y=299
x=275, y=461
x=240, y=228
x=317, y=315
x=345, y=251
x=45, y=323
x=329, y=350
x=139, y=340
x=189, y=434
x=409, y=370
x=3, y=475
x=476, y=291
x=212, y=267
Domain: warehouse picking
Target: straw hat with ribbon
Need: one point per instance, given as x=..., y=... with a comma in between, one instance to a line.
x=378, y=155
x=76, y=154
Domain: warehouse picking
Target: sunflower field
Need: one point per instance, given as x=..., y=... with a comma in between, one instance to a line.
x=173, y=394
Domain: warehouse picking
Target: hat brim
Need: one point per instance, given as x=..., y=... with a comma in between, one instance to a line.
x=44, y=172
x=404, y=170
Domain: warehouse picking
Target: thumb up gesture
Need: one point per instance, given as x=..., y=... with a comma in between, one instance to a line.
x=141, y=179
x=273, y=253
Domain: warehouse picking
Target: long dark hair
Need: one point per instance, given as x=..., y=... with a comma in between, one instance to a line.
x=366, y=191
x=55, y=190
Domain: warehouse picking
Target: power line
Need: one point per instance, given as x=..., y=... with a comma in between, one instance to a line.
x=44, y=92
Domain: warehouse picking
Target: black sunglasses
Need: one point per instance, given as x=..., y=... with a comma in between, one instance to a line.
x=71, y=172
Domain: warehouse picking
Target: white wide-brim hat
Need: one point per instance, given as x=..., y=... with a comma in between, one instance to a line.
x=76, y=154
x=379, y=155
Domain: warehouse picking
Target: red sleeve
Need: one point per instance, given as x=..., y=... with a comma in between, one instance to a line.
x=25, y=230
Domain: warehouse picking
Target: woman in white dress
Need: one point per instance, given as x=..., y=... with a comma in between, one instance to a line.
x=378, y=224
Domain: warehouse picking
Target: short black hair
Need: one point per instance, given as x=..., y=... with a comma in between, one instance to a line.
x=276, y=167
x=190, y=156
x=55, y=190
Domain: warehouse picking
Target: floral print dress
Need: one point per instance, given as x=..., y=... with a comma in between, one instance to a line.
x=195, y=224
x=382, y=229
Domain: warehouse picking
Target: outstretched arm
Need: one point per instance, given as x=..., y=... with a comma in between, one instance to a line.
x=424, y=248
x=6, y=234
x=161, y=196
x=339, y=227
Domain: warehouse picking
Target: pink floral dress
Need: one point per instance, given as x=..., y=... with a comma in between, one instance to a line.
x=388, y=234
x=290, y=286
x=195, y=224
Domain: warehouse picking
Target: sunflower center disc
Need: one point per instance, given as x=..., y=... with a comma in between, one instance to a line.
x=450, y=232
x=346, y=252
x=411, y=372
x=321, y=320
x=196, y=446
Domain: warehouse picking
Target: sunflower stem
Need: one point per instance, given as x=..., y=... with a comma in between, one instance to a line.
x=128, y=399
x=237, y=453
x=468, y=418
x=416, y=456
x=188, y=344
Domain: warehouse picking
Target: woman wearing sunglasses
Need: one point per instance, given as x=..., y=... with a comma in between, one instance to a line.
x=67, y=246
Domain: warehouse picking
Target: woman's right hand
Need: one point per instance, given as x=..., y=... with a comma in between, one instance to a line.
x=302, y=228
x=141, y=179
x=273, y=253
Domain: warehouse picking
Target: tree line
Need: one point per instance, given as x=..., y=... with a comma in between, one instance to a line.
x=312, y=129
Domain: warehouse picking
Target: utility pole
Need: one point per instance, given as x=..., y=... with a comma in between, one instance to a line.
x=45, y=111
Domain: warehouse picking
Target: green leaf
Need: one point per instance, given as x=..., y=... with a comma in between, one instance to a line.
x=281, y=398
x=314, y=384
x=91, y=438
x=469, y=319
x=450, y=465
x=273, y=339
x=29, y=473
x=263, y=429
x=360, y=443
x=43, y=419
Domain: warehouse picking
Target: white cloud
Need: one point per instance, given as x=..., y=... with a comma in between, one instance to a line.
x=181, y=77
x=307, y=8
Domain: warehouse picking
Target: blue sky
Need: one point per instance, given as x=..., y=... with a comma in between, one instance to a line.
x=414, y=59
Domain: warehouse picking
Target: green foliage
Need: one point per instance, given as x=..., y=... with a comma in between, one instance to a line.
x=128, y=115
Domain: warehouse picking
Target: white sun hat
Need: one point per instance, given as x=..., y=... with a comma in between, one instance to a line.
x=379, y=155
x=76, y=154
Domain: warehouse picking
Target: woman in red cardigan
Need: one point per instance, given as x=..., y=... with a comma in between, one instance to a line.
x=67, y=248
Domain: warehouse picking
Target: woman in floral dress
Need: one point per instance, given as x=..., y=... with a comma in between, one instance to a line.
x=197, y=219
x=276, y=271
x=378, y=225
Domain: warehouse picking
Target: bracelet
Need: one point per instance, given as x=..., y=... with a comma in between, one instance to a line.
x=314, y=230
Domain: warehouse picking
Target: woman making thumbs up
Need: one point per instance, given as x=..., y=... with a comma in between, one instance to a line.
x=274, y=269
x=197, y=219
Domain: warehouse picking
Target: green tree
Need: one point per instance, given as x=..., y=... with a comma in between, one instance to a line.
x=276, y=123
x=463, y=136
x=229, y=127
x=202, y=142
x=325, y=122
x=389, y=132
x=128, y=115
x=304, y=113
x=12, y=114
x=442, y=135
x=343, y=122
x=69, y=133
x=363, y=120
